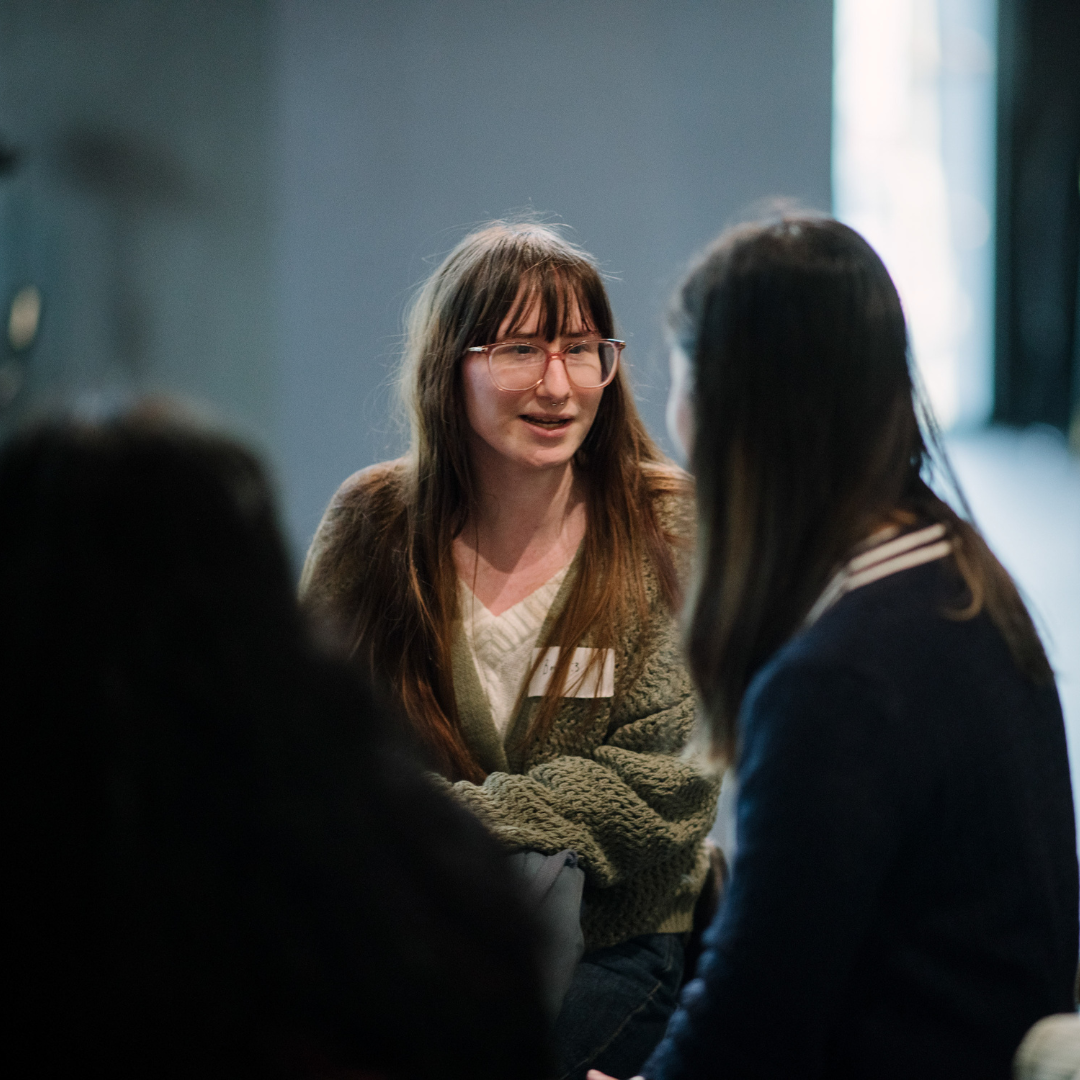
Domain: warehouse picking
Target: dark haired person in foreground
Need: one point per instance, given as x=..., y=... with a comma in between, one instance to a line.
x=216, y=865
x=903, y=901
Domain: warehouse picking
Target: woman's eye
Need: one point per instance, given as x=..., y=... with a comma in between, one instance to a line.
x=582, y=348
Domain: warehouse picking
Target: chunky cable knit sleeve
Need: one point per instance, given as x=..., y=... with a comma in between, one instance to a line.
x=637, y=821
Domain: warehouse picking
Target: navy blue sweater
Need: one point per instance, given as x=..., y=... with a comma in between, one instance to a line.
x=903, y=900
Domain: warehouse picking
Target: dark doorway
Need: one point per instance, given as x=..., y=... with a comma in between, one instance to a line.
x=1037, y=363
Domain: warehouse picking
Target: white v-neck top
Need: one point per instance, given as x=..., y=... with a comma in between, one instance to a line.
x=502, y=645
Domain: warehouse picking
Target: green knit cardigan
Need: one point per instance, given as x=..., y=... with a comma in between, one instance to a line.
x=610, y=780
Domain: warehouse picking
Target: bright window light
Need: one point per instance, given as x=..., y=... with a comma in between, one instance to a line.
x=913, y=171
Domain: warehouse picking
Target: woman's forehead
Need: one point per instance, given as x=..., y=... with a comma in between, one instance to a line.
x=546, y=310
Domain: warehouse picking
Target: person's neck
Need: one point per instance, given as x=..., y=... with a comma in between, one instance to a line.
x=521, y=510
x=525, y=528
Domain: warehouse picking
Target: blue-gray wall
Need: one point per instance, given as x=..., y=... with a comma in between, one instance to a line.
x=233, y=199
x=140, y=206
x=644, y=124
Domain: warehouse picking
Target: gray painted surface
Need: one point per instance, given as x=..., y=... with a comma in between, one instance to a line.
x=233, y=199
x=141, y=207
x=644, y=124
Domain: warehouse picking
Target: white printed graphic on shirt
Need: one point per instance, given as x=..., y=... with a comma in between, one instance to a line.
x=584, y=681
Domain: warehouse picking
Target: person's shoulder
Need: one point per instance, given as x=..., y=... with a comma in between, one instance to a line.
x=665, y=479
x=366, y=504
x=672, y=492
x=897, y=630
x=891, y=614
x=372, y=486
x=807, y=689
x=372, y=497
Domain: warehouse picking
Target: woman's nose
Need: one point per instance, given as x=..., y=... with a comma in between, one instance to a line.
x=556, y=383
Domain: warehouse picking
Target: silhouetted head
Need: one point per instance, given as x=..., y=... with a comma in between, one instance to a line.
x=800, y=387
x=218, y=866
x=145, y=552
x=149, y=634
x=793, y=386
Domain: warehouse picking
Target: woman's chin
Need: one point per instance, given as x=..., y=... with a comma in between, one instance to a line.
x=543, y=452
x=546, y=457
x=548, y=461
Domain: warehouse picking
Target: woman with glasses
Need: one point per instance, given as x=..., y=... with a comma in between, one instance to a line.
x=512, y=582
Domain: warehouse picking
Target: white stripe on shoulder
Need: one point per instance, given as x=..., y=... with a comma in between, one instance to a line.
x=833, y=591
x=903, y=553
x=896, y=547
x=901, y=562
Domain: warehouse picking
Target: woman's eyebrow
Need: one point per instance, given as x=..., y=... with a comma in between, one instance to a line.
x=582, y=332
x=575, y=332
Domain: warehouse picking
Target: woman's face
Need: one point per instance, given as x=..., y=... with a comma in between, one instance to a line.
x=540, y=428
x=680, y=412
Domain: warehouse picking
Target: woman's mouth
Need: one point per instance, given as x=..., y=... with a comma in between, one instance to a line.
x=547, y=423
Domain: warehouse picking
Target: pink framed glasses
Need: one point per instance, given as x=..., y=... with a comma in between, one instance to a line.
x=515, y=366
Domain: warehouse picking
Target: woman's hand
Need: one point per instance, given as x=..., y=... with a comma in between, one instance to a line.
x=596, y=1074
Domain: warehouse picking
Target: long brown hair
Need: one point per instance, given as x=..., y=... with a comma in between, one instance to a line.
x=807, y=436
x=405, y=607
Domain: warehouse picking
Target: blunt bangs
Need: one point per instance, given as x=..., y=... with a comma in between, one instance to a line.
x=507, y=269
x=561, y=290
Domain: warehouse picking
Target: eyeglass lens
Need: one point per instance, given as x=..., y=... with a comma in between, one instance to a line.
x=519, y=367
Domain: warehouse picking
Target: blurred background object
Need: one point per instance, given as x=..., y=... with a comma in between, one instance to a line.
x=646, y=125
x=913, y=171
x=956, y=152
x=233, y=199
x=139, y=202
x=1038, y=211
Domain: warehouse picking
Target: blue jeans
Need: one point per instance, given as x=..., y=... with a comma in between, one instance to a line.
x=618, y=1006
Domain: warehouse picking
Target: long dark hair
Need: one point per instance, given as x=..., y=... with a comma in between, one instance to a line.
x=221, y=864
x=402, y=608
x=806, y=437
